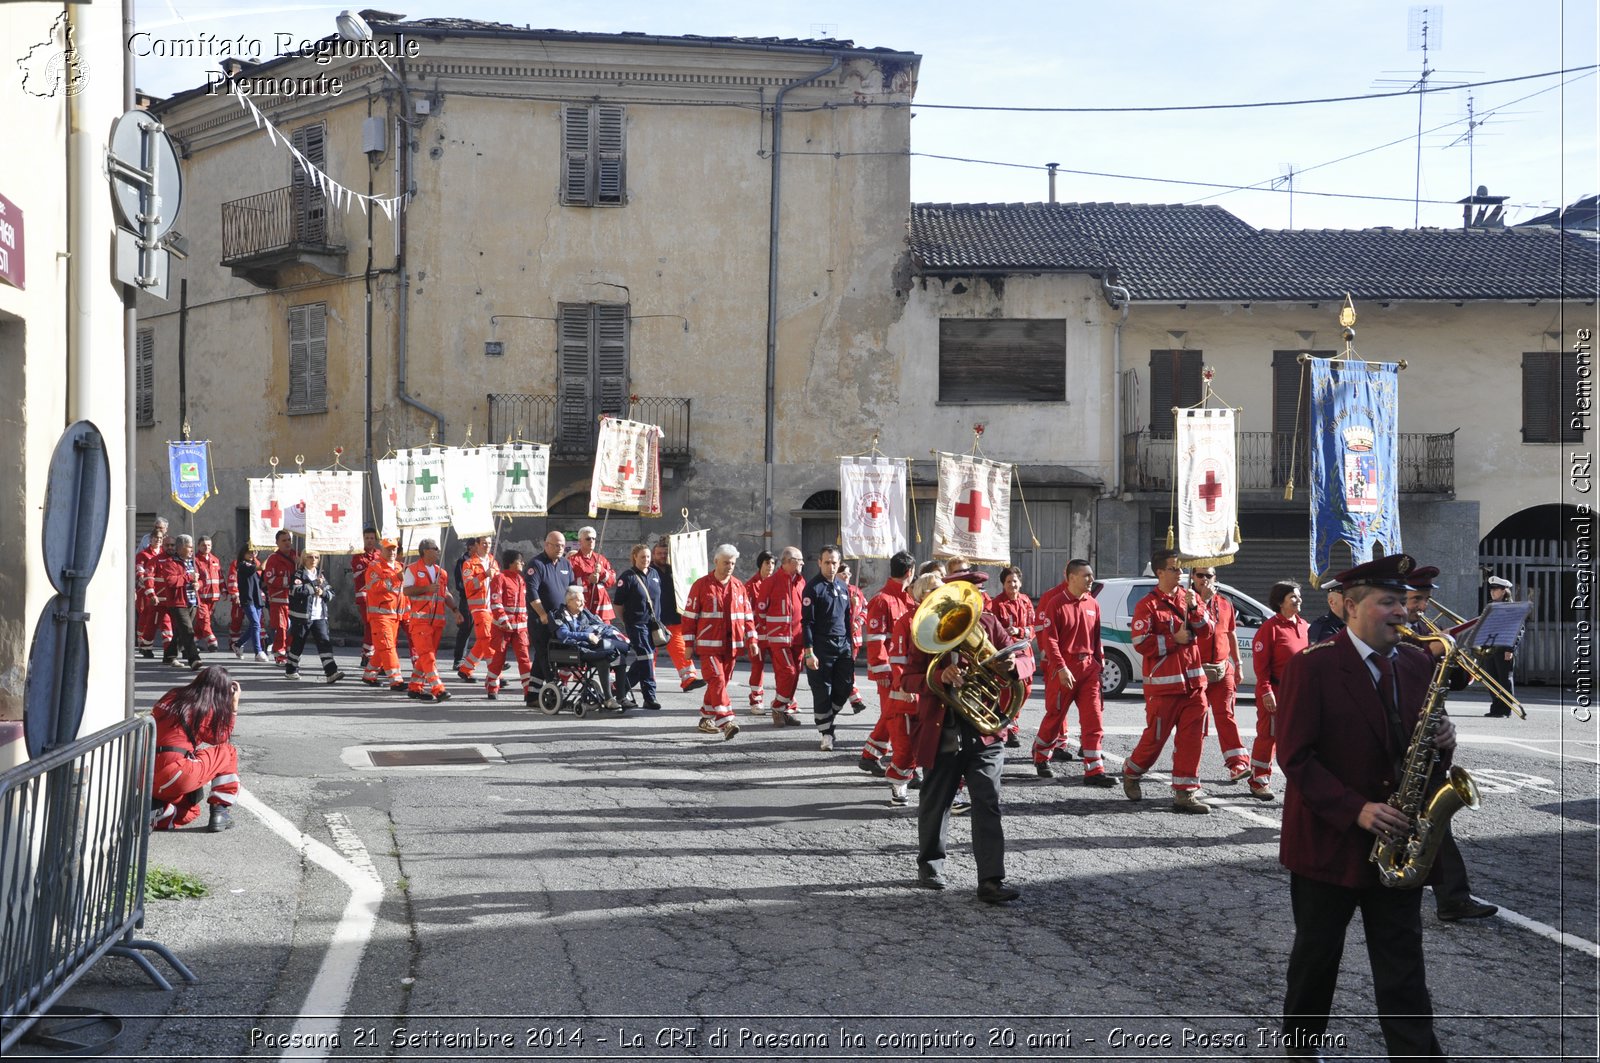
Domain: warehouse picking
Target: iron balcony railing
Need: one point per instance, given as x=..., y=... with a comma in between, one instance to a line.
x=1427, y=461
x=537, y=418
x=291, y=218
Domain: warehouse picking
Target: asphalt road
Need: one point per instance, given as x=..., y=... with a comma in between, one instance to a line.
x=627, y=888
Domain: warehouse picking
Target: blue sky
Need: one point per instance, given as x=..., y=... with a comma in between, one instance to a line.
x=1537, y=143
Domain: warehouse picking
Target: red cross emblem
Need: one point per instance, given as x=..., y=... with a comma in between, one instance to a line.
x=974, y=511
x=334, y=513
x=875, y=509
x=1210, y=491
x=273, y=513
x=626, y=468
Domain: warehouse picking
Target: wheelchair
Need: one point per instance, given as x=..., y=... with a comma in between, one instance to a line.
x=579, y=685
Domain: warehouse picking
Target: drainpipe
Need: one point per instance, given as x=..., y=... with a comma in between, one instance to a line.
x=82, y=165
x=1120, y=298
x=772, y=286
x=402, y=167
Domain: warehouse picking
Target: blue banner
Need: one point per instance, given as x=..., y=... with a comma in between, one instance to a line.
x=1355, y=442
x=190, y=467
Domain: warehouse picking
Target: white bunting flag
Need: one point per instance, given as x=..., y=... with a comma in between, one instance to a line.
x=333, y=511
x=627, y=468
x=872, y=506
x=269, y=510
x=973, y=516
x=521, y=477
x=421, y=501
x=388, y=498
x=686, y=553
x=1208, y=486
x=471, y=491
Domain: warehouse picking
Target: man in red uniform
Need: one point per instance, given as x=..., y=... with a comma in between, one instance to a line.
x=778, y=614
x=384, y=576
x=717, y=625
x=1280, y=638
x=1167, y=625
x=358, y=576
x=882, y=613
x=1219, y=656
x=592, y=571
x=426, y=586
x=235, y=609
x=477, y=573
x=148, y=616
x=277, y=579
x=209, y=566
x=766, y=565
x=508, y=609
x=1067, y=623
x=176, y=584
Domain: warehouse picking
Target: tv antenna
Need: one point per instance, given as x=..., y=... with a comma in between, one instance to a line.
x=1474, y=121
x=1424, y=32
x=1287, y=181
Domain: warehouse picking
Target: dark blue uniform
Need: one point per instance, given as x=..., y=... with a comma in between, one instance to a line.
x=547, y=582
x=825, y=619
x=638, y=596
x=1323, y=628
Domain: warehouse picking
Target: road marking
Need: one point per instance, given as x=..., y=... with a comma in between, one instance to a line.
x=322, y=1014
x=1243, y=813
x=1571, y=941
x=1491, y=740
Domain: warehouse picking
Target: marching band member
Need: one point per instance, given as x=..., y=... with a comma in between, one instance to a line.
x=1280, y=638
x=1068, y=626
x=1167, y=624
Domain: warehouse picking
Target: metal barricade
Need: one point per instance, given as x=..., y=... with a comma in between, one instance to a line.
x=74, y=836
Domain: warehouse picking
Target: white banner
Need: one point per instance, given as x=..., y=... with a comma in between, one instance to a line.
x=686, y=553
x=521, y=476
x=471, y=491
x=389, y=498
x=627, y=468
x=421, y=501
x=1208, y=486
x=872, y=506
x=972, y=518
x=410, y=537
x=333, y=511
x=271, y=499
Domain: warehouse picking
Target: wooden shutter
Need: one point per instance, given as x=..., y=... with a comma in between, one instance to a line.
x=1549, y=388
x=608, y=154
x=1002, y=360
x=574, y=419
x=611, y=358
x=308, y=358
x=145, y=378
x=310, y=208
x=1291, y=413
x=1174, y=381
x=576, y=141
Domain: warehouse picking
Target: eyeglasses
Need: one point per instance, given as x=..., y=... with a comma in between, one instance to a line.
x=1203, y=575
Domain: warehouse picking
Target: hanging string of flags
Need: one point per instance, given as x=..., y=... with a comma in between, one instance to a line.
x=336, y=193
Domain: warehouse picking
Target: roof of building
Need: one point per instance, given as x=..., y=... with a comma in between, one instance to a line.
x=446, y=27
x=1177, y=253
x=1584, y=214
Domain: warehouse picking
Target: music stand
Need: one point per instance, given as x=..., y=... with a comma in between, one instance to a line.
x=1498, y=627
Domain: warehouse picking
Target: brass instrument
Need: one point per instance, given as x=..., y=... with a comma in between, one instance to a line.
x=1404, y=863
x=1467, y=662
x=948, y=619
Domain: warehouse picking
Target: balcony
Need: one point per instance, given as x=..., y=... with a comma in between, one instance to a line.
x=269, y=239
x=535, y=417
x=1427, y=462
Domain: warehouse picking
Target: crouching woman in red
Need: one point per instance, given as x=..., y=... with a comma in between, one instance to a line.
x=193, y=726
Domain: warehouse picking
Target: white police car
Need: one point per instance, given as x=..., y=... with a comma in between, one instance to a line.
x=1118, y=599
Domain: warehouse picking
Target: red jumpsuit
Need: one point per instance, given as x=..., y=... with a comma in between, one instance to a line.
x=752, y=587
x=426, y=626
x=184, y=767
x=476, y=575
x=717, y=626
x=385, y=605
x=277, y=578
x=1174, y=685
x=235, y=613
x=1217, y=648
x=358, y=576
x=597, y=595
x=508, y=608
x=149, y=616
x=899, y=705
x=209, y=567
x=1276, y=641
x=878, y=618
x=1069, y=637
x=1017, y=614
x=858, y=629
x=778, y=616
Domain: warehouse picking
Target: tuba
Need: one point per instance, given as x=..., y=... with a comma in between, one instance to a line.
x=947, y=620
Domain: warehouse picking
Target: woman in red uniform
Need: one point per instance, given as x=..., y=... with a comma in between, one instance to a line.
x=1281, y=637
x=193, y=726
x=1015, y=611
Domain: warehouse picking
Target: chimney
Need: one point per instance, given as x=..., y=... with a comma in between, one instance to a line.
x=1051, y=166
x=1485, y=218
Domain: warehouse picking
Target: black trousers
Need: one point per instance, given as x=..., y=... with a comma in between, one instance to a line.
x=980, y=766
x=1452, y=888
x=182, y=636
x=1499, y=670
x=831, y=682
x=1392, y=919
x=464, y=630
x=317, y=632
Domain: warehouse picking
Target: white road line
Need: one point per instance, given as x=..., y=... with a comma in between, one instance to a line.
x=1571, y=941
x=1490, y=740
x=322, y=1014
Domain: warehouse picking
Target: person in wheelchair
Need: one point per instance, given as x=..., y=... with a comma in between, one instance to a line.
x=596, y=641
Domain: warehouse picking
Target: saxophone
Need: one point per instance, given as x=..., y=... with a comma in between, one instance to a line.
x=1405, y=862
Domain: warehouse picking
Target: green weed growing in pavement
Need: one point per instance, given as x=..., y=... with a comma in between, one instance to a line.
x=403, y=884
x=165, y=884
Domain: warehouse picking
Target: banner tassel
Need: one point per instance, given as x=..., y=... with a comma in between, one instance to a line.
x=1288, y=490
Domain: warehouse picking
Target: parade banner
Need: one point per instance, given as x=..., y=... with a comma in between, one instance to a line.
x=420, y=499
x=627, y=468
x=333, y=511
x=1355, y=496
x=1207, y=463
x=189, y=464
x=972, y=517
x=470, y=491
x=686, y=553
x=520, y=473
x=271, y=498
x=293, y=487
x=388, y=498
x=872, y=506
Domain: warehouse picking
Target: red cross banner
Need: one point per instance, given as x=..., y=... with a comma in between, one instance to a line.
x=388, y=498
x=470, y=491
x=872, y=506
x=972, y=518
x=1207, y=477
x=420, y=489
x=333, y=511
x=520, y=475
x=627, y=468
x=271, y=498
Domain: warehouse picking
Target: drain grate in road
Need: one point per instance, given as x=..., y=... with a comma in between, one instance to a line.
x=426, y=757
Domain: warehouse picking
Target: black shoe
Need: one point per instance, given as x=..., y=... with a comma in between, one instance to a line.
x=1466, y=910
x=694, y=684
x=465, y=677
x=916, y=781
x=1012, y=741
x=931, y=880
x=857, y=706
x=961, y=805
x=419, y=695
x=366, y=659
x=148, y=655
x=492, y=697
x=221, y=819
x=443, y=695
x=995, y=891
x=1044, y=770
x=652, y=706
x=1099, y=782
x=371, y=683
x=1062, y=756
x=870, y=764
